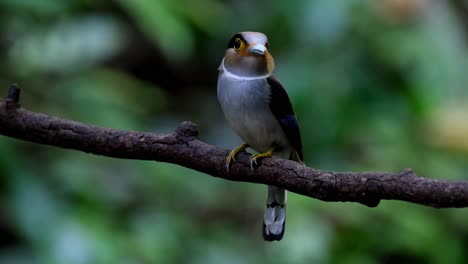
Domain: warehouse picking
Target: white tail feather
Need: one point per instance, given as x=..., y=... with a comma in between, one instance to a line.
x=275, y=214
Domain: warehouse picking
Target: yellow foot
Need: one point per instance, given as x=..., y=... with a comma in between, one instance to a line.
x=232, y=155
x=253, y=158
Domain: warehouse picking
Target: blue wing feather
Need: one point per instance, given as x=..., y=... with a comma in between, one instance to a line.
x=281, y=107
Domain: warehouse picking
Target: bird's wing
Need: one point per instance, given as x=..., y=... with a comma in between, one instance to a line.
x=282, y=109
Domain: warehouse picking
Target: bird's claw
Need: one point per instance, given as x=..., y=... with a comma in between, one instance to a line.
x=232, y=156
x=253, y=158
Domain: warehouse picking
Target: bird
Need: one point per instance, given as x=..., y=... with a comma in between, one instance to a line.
x=258, y=109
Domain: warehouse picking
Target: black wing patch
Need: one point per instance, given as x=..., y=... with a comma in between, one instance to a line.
x=281, y=107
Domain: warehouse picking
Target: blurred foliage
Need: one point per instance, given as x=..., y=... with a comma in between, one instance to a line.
x=377, y=85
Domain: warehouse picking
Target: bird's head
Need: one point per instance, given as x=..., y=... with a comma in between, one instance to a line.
x=248, y=55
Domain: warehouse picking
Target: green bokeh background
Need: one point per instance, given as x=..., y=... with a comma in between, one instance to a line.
x=376, y=85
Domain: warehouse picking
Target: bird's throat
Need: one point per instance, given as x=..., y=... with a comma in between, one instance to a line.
x=246, y=70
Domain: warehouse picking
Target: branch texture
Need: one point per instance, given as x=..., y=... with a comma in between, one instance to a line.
x=183, y=148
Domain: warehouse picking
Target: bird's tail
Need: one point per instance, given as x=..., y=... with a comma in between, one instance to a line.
x=275, y=215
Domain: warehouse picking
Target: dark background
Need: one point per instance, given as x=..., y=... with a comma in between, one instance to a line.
x=376, y=85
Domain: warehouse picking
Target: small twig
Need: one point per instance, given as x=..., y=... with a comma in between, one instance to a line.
x=12, y=99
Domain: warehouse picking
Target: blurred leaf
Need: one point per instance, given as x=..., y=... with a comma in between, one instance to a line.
x=69, y=46
x=46, y=7
x=163, y=25
x=113, y=99
x=448, y=127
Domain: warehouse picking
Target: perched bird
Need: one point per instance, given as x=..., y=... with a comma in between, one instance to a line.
x=259, y=110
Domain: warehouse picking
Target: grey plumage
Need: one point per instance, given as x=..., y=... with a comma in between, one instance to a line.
x=246, y=107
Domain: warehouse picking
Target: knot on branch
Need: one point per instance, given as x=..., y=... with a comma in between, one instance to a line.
x=13, y=96
x=187, y=130
x=407, y=173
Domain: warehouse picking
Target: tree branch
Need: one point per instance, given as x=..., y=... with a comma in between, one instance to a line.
x=183, y=148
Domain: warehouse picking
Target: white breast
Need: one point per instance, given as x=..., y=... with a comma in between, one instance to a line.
x=245, y=105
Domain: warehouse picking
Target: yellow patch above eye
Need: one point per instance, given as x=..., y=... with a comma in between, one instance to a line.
x=239, y=44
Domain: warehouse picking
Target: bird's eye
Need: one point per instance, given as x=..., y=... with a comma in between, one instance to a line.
x=267, y=45
x=238, y=44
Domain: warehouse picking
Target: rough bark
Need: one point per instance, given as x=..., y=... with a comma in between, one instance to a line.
x=183, y=148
